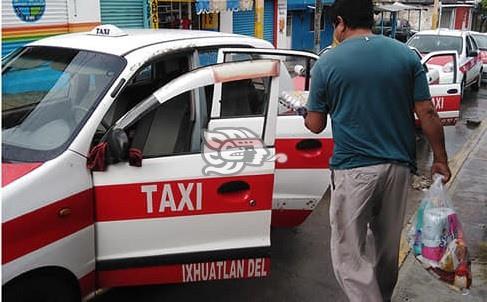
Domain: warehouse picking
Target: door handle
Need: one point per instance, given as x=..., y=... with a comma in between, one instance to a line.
x=309, y=145
x=64, y=212
x=309, y=148
x=452, y=91
x=234, y=187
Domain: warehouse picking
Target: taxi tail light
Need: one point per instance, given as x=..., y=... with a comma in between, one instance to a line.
x=483, y=56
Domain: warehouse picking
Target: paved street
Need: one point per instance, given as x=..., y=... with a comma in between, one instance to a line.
x=301, y=267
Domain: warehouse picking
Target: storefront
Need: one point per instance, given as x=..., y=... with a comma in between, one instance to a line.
x=24, y=21
x=185, y=14
x=301, y=22
x=244, y=22
x=124, y=13
x=456, y=16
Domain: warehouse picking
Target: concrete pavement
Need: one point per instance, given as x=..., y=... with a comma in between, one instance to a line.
x=469, y=195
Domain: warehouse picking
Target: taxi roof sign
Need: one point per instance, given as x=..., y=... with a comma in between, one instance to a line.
x=107, y=30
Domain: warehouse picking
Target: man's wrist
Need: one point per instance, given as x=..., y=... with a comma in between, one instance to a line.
x=440, y=159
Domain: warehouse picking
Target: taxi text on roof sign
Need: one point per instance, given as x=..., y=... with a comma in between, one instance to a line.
x=107, y=30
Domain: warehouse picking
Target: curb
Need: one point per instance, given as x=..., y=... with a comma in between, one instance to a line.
x=455, y=163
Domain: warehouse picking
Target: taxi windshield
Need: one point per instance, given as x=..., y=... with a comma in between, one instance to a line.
x=428, y=43
x=47, y=95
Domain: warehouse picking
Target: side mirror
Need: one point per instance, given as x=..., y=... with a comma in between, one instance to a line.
x=473, y=53
x=113, y=149
x=118, y=145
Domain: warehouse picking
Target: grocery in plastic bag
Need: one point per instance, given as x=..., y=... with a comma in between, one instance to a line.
x=437, y=239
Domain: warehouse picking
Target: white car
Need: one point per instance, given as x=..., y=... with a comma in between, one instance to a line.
x=469, y=65
x=481, y=39
x=146, y=157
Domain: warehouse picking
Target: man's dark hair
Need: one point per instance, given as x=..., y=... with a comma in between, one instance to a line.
x=355, y=13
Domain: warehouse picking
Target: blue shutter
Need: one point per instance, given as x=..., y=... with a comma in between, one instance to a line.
x=269, y=20
x=243, y=22
x=122, y=13
x=8, y=47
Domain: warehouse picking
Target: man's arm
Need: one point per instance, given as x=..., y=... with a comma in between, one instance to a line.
x=315, y=121
x=433, y=130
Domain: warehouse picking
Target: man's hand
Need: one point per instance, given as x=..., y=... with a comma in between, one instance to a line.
x=433, y=130
x=315, y=121
x=442, y=169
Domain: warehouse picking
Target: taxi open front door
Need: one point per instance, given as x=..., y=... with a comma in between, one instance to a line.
x=171, y=220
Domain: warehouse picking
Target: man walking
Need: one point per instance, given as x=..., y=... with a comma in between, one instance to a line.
x=370, y=85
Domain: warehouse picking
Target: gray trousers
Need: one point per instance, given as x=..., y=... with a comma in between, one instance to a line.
x=366, y=214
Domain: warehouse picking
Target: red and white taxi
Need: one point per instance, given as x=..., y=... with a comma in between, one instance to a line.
x=469, y=67
x=104, y=180
x=445, y=94
x=481, y=39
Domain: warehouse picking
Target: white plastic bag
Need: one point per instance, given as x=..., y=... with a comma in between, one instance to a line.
x=437, y=239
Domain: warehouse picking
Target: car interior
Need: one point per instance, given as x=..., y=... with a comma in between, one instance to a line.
x=174, y=127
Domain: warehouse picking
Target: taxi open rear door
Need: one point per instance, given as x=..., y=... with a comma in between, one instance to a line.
x=445, y=91
x=302, y=165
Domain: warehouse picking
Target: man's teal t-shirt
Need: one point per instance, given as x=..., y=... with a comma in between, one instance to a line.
x=368, y=85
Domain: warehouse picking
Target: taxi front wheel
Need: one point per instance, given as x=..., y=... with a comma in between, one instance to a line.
x=41, y=288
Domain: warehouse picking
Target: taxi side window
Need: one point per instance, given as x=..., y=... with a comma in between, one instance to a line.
x=245, y=97
x=469, y=45
x=473, y=43
x=150, y=77
x=167, y=130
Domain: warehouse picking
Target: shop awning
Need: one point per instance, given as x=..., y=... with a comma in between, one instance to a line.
x=214, y=6
x=305, y=4
x=397, y=7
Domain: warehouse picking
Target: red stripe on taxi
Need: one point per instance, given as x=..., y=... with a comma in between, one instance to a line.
x=184, y=273
x=447, y=103
x=469, y=64
x=12, y=172
x=304, y=153
x=46, y=225
x=289, y=218
x=184, y=197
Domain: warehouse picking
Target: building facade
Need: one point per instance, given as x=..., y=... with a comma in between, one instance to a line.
x=284, y=23
x=453, y=14
x=24, y=21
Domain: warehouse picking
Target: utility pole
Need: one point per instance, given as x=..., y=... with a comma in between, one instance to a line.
x=318, y=12
x=435, y=22
x=259, y=19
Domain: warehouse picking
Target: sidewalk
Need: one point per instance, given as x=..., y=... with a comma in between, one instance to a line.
x=468, y=190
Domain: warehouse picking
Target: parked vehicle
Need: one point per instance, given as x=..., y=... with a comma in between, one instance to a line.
x=469, y=62
x=403, y=29
x=481, y=39
x=445, y=94
x=105, y=182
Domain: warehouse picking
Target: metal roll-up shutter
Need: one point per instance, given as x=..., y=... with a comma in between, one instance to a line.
x=24, y=22
x=243, y=22
x=122, y=13
x=269, y=20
